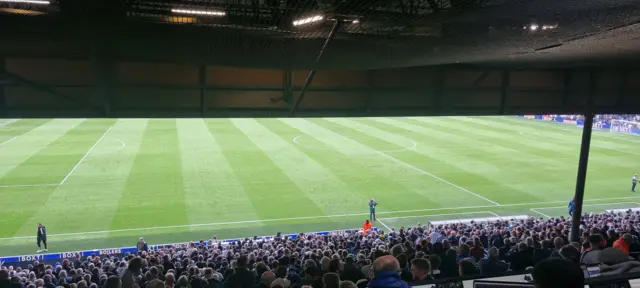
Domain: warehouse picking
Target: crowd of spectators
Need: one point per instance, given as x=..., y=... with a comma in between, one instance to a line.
x=355, y=259
x=604, y=118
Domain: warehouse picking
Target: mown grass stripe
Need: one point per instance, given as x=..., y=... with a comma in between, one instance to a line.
x=449, y=166
x=601, y=140
x=361, y=175
x=271, y=192
x=96, y=185
x=514, y=167
x=29, y=144
x=50, y=165
x=318, y=183
x=211, y=188
x=153, y=194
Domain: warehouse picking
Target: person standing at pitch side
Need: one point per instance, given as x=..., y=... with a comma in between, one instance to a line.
x=634, y=182
x=372, y=210
x=42, y=237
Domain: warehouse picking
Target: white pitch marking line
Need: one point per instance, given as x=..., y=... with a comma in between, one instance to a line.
x=28, y=185
x=415, y=168
x=429, y=215
x=58, y=184
x=7, y=141
x=85, y=156
x=122, y=145
x=385, y=225
x=443, y=180
x=9, y=122
x=312, y=217
x=536, y=211
x=494, y=214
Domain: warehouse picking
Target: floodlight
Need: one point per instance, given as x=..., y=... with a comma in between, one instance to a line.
x=355, y=21
x=198, y=12
x=308, y=20
x=533, y=27
x=26, y=2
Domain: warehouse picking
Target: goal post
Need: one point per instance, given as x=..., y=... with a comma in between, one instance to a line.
x=624, y=126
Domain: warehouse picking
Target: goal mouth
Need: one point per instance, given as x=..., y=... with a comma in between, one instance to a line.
x=625, y=127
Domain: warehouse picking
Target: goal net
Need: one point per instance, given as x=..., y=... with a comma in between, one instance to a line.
x=623, y=126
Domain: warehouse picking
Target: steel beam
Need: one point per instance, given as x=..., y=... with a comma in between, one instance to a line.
x=3, y=102
x=566, y=93
x=370, y=91
x=202, y=79
x=287, y=80
x=504, y=93
x=584, y=159
x=44, y=88
x=312, y=73
x=437, y=97
x=103, y=76
x=481, y=78
x=624, y=89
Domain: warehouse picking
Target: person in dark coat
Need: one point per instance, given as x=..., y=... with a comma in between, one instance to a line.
x=522, y=258
x=42, y=238
x=241, y=277
x=492, y=266
x=129, y=275
x=421, y=269
x=213, y=279
x=555, y=272
x=504, y=250
x=449, y=264
x=5, y=280
x=543, y=253
x=350, y=271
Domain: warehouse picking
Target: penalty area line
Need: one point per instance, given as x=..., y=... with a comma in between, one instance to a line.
x=9, y=139
x=85, y=155
x=536, y=211
x=385, y=225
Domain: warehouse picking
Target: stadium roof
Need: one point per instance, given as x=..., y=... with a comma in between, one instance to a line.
x=370, y=34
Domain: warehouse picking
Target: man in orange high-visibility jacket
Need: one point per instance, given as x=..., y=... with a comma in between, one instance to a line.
x=622, y=244
x=366, y=226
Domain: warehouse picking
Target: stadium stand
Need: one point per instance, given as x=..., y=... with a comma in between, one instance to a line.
x=422, y=255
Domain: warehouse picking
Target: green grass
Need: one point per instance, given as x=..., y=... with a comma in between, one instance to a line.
x=245, y=177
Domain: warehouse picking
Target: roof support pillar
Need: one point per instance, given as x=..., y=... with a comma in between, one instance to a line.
x=566, y=95
x=287, y=80
x=370, y=91
x=312, y=73
x=504, y=94
x=202, y=79
x=584, y=159
x=103, y=74
x=438, y=105
x=3, y=81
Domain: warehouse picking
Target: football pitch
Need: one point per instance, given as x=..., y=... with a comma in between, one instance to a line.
x=102, y=183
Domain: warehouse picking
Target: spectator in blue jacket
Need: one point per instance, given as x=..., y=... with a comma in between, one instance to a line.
x=572, y=204
x=385, y=273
